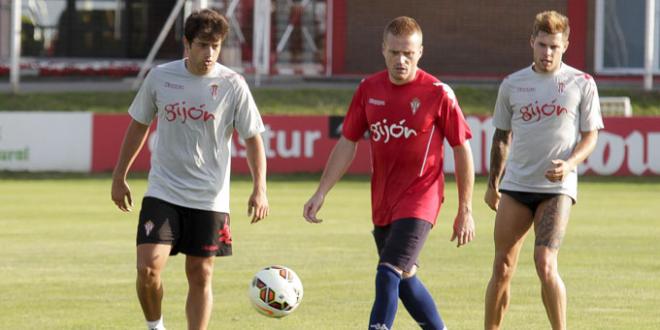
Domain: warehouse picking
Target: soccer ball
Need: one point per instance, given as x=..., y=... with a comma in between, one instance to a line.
x=276, y=291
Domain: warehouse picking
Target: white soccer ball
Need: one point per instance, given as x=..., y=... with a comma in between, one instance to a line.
x=276, y=291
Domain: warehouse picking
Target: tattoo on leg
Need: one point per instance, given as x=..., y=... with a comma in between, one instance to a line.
x=549, y=232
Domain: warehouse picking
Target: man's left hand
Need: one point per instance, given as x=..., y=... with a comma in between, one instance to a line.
x=258, y=207
x=558, y=171
x=463, y=228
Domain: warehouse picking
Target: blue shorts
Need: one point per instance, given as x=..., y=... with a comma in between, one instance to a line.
x=400, y=242
x=192, y=232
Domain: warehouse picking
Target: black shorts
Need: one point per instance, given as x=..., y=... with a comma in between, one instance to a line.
x=400, y=243
x=530, y=199
x=189, y=231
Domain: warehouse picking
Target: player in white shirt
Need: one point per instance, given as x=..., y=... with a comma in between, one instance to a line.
x=199, y=103
x=547, y=118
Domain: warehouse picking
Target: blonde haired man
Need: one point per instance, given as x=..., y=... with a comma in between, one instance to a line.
x=547, y=118
x=409, y=114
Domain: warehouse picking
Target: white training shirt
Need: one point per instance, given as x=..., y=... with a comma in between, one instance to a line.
x=191, y=155
x=545, y=113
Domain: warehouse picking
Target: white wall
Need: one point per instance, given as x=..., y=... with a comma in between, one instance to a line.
x=42, y=141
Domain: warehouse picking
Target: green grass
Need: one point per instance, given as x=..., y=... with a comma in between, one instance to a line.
x=304, y=101
x=67, y=259
x=270, y=101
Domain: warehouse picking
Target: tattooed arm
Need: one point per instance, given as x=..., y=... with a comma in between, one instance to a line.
x=498, y=154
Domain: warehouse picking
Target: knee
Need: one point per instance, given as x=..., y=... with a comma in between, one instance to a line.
x=546, y=267
x=411, y=273
x=148, y=275
x=392, y=267
x=200, y=275
x=503, y=269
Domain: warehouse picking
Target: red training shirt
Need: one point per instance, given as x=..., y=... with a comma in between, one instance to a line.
x=407, y=125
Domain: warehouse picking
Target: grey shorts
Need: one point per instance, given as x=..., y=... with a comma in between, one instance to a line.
x=189, y=231
x=400, y=243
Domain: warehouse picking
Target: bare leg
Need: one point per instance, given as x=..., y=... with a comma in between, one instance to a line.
x=151, y=260
x=512, y=222
x=199, y=271
x=550, y=224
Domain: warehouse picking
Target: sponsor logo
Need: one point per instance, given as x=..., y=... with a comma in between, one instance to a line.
x=414, y=105
x=225, y=234
x=183, y=112
x=376, y=102
x=148, y=227
x=383, y=130
x=525, y=89
x=638, y=152
x=214, y=91
x=8, y=155
x=21, y=155
x=534, y=112
x=210, y=248
x=173, y=85
x=379, y=326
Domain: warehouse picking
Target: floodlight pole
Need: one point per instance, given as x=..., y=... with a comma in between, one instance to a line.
x=649, y=45
x=329, y=26
x=289, y=30
x=236, y=26
x=194, y=5
x=15, y=48
x=119, y=6
x=159, y=41
x=261, y=40
x=201, y=4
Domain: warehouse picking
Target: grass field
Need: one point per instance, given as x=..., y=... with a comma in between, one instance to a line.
x=299, y=101
x=67, y=259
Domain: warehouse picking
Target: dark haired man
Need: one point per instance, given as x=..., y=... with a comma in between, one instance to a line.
x=199, y=103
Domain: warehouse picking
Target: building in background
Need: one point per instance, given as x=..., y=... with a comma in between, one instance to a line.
x=474, y=39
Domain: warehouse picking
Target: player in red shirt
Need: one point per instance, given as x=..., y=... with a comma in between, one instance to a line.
x=408, y=114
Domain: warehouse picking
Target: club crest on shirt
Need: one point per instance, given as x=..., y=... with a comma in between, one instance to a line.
x=148, y=227
x=560, y=87
x=414, y=105
x=214, y=91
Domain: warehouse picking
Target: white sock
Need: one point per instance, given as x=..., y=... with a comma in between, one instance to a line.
x=156, y=325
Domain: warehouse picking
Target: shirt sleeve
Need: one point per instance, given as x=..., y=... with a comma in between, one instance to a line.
x=143, y=109
x=247, y=120
x=503, y=113
x=355, y=122
x=451, y=119
x=590, y=115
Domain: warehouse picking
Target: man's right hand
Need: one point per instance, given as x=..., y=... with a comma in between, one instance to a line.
x=312, y=207
x=492, y=198
x=121, y=195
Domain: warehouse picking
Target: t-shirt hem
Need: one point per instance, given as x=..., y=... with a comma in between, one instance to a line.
x=541, y=190
x=196, y=206
x=399, y=217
